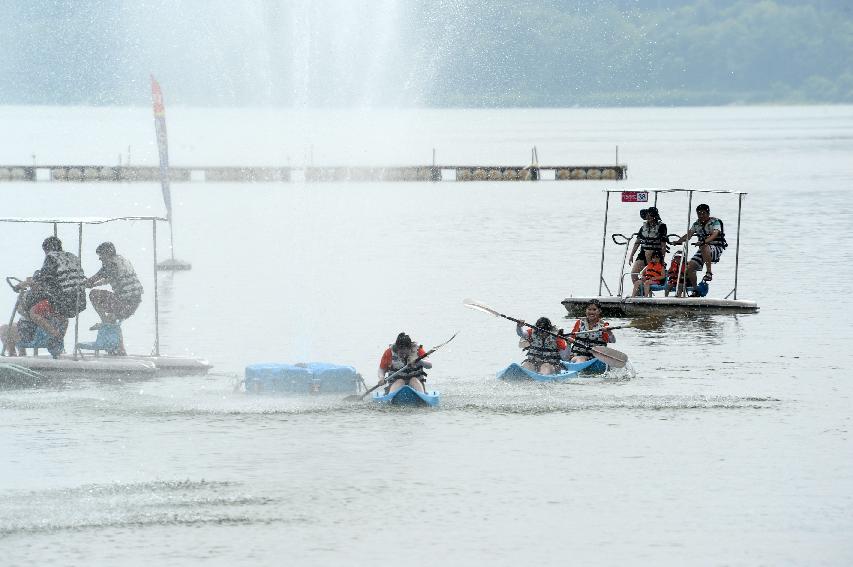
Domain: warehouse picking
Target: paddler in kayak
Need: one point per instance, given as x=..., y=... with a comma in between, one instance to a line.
x=543, y=349
x=401, y=356
x=582, y=343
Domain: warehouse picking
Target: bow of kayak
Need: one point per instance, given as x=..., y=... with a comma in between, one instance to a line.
x=517, y=372
x=591, y=366
x=408, y=396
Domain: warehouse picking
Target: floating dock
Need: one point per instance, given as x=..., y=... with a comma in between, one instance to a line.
x=151, y=174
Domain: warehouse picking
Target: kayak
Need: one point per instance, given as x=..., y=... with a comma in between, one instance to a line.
x=408, y=396
x=517, y=372
x=591, y=366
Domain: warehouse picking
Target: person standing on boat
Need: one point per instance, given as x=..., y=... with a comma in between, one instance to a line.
x=582, y=343
x=56, y=290
x=543, y=349
x=650, y=238
x=711, y=242
x=126, y=295
x=401, y=356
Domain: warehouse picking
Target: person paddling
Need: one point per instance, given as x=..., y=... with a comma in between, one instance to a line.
x=581, y=343
x=711, y=242
x=126, y=295
x=543, y=349
x=403, y=352
x=651, y=238
x=56, y=290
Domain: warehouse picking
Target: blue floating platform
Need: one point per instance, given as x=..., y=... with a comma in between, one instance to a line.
x=302, y=378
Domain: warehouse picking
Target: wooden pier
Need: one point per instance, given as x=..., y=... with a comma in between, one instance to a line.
x=234, y=174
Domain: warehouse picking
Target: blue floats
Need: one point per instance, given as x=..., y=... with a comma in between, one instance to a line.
x=302, y=378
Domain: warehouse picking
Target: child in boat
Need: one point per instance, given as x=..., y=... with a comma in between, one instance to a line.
x=543, y=349
x=400, y=358
x=673, y=280
x=652, y=274
x=582, y=343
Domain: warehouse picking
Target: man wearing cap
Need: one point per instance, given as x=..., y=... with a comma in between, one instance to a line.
x=650, y=238
x=126, y=295
x=711, y=242
x=56, y=290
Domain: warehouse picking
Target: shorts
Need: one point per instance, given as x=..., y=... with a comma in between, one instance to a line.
x=716, y=252
x=126, y=308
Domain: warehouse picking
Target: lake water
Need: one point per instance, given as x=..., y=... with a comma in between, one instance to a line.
x=727, y=442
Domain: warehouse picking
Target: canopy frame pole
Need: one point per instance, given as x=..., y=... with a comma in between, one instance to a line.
x=737, y=241
x=77, y=297
x=603, y=240
x=156, y=293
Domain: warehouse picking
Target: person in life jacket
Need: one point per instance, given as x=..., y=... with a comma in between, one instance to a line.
x=650, y=238
x=652, y=274
x=582, y=343
x=56, y=290
x=126, y=295
x=543, y=349
x=674, y=282
x=711, y=242
x=400, y=358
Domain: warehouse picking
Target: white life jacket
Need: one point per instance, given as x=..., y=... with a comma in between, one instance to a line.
x=595, y=338
x=122, y=278
x=543, y=349
x=415, y=370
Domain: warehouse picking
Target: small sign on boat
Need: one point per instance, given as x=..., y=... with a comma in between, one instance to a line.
x=635, y=196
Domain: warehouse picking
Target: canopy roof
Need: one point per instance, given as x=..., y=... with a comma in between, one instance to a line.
x=679, y=190
x=79, y=220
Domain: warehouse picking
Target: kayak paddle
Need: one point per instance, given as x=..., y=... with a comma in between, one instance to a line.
x=390, y=379
x=611, y=356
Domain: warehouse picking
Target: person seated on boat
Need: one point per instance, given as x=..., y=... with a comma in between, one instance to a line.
x=650, y=238
x=651, y=275
x=543, y=348
x=126, y=295
x=401, y=356
x=583, y=342
x=56, y=290
x=673, y=279
x=711, y=242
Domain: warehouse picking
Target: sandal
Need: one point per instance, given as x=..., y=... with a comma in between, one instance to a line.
x=708, y=277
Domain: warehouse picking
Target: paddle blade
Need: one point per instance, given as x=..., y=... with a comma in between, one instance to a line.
x=610, y=356
x=479, y=306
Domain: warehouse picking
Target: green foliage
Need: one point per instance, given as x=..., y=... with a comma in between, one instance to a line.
x=659, y=53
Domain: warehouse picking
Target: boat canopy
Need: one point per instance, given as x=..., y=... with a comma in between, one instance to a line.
x=80, y=220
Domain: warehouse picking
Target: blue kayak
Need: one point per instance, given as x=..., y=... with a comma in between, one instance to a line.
x=408, y=396
x=592, y=366
x=517, y=372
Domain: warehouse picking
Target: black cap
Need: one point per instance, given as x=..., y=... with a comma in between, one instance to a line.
x=653, y=211
x=643, y=213
x=107, y=248
x=51, y=244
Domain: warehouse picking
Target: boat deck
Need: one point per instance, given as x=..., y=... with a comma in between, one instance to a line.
x=638, y=306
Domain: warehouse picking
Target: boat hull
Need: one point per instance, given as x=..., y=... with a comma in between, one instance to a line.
x=111, y=367
x=640, y=306
x=408, y=396
x=592, y=366
x=517, y=372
